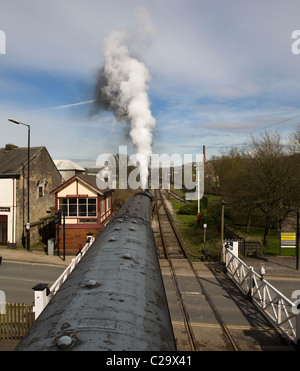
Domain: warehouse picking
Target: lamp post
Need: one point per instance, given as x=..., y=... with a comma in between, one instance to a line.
x=28, y=168
x=198, y=185
x=222, y=230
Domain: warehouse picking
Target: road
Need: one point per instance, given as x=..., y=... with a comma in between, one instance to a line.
x=280, y=272
x=286, y=285
x=17, y=279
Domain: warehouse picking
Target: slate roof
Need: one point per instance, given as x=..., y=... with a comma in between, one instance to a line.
x=64, y=165
x=89, y=180
x=12, y=161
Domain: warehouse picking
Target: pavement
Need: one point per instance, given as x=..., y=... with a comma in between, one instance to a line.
x=275, y=266
x=33, y=257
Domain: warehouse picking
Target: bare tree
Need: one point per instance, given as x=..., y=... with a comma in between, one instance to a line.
x=235, y=187
x=274, y=179
x=295, y=140
x=264, y=178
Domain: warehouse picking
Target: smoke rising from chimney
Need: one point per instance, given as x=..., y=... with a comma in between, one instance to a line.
x=123, y=84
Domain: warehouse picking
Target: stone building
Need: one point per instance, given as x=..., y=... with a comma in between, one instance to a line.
x=44, y=176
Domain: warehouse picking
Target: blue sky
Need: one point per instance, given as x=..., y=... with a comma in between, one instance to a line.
x=220, y=70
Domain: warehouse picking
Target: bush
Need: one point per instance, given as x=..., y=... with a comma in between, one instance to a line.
x=212, y=215
x=188, y=209
x=120, y=196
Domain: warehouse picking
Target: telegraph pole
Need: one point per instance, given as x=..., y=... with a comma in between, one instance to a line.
x=297, y=241
x=222, y=229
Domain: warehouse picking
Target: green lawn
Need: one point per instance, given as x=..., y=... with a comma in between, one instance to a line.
x=193, y=234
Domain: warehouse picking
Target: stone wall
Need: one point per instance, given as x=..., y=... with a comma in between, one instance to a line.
x=42, y=230
x=44, y=177
x=251, y=245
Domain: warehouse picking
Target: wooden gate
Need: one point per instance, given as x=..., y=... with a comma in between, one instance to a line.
x=16, y=321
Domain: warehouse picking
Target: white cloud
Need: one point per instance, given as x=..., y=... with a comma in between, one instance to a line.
x=64, y=134
x=215, y=64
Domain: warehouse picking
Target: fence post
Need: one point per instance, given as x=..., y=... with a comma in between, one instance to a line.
x=250, y=283
x=298, y=330
x=225, y=257
x=2, y=302
x=41, y=292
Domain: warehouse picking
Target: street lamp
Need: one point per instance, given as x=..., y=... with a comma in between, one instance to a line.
x=28, y=168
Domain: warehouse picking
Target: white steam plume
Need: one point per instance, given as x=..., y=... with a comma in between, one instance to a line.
x=122, y=88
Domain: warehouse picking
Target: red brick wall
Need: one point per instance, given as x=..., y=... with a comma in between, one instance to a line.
x=75, y=239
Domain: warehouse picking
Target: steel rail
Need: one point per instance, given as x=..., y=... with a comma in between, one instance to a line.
x=179, y=198
x=184, y=312
x=204, y=291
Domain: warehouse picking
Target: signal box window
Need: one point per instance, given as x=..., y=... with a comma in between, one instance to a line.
x=79, y=207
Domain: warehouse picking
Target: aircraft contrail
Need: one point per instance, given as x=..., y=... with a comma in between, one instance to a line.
x=66, y=105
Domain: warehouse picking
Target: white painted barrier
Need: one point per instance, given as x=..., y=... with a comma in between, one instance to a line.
x=43, y=295
x=283, y=312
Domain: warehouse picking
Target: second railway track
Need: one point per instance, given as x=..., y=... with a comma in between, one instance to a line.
x=172, y=249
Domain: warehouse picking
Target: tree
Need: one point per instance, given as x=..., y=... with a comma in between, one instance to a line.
x=295, y=140
x=274, y=182
x=264, y=178
x=232, y=169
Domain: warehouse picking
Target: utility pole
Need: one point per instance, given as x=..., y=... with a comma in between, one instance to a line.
x=64, y=234
x=297, y=241
x=204, y=161
x=198, y=185
x=222, y=230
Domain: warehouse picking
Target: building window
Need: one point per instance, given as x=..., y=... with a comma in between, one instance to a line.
x=79, y=207
x=41, y=191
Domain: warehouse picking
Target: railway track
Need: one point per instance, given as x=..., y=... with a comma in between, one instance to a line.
x=179, y=198
x=171, y=244
x=171, y=248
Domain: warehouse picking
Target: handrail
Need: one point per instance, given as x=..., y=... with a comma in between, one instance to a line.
x=61, y=279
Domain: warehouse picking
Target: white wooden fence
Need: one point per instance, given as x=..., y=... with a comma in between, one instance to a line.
x=284, y=313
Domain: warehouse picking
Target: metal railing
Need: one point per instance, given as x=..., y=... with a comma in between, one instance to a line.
x=282, y=311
